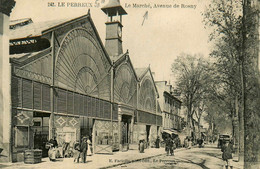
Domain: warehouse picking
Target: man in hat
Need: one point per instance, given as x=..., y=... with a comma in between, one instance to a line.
x=84, y=149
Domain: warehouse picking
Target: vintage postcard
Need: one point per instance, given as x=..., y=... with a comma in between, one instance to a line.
x=129, y=84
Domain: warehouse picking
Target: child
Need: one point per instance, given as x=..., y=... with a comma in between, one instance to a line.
x=227, y=150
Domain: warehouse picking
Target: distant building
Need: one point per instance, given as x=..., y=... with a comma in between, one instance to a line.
x=170, y=106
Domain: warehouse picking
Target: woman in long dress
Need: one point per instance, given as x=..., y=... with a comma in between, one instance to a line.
x=90, y=149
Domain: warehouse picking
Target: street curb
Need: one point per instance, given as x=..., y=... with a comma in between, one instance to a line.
x=135, y=160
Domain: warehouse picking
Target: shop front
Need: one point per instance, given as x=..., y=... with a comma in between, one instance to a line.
x=126, y=126
x=40, y=130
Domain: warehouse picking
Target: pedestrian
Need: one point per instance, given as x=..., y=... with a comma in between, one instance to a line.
x=52, y=153
x=76, y=151
x=83, y=149
x=141, y=146
x=186, y=142
x=54, y=142
x=227, y=150
x=200, y=142
x=172, y=146
x=189, y=143
x=157, y=142
x=90, y=149
x=168, y=146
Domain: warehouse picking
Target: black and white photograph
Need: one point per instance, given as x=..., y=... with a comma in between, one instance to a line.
x=129, y=84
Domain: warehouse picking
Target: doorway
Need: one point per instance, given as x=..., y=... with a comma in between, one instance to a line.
x=148, y=127
x=41, y=131
x=126, y=122
x=86, y=127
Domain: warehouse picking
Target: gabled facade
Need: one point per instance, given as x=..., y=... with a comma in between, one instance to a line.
x=147, y=115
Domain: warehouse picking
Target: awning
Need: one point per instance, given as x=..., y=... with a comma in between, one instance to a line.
x=171, y=131
x=167, y=131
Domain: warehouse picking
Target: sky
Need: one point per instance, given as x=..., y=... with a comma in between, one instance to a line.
x=165, y=33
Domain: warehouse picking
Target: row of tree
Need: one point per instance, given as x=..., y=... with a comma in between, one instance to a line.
x=226, y=87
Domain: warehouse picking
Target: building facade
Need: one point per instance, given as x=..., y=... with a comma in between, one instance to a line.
x=170, y=106
x=66, y=83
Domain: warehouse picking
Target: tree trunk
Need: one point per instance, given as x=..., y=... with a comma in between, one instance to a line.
x=199, y=128
x=236, y=127
x=189, y=119
x=242, y=76
x=250, y=34
x=241, y=113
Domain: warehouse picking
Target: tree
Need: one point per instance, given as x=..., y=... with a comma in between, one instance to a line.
x=225, y=17
x=193, y=78
x=235, y=33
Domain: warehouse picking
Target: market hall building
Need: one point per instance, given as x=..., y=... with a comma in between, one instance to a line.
x=65, y=83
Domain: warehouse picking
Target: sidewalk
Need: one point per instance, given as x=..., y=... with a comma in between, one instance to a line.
x=101, y=161
x=237, y=164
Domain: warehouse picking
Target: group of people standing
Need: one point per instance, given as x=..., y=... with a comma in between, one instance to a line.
x=81, y=150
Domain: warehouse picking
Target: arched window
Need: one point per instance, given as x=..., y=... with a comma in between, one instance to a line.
x=147, y=98
x=125, y=85
x=81, y=65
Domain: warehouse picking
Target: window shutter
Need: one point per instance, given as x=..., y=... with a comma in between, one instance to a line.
x=81, y=105
x=107, y=110
x=101, y=108
x=37, y=95
x=61, y=101
x=16, y=92
x=70, y=102
x=97, y=107
x=27, y=94
x=93, y=107
x=85, y=106
x=76, y=103
x=46, y=98
x=89, y=108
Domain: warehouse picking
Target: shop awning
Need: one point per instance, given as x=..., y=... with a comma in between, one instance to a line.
x=167, y=131
x=171, y=131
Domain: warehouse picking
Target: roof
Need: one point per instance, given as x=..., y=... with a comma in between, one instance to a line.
x=31, y=29
x=37, y=29
x=23, y=56
x=140, y=71
x=172, y=96
x=125, y=57
x=113, y=7
x=19, y=22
